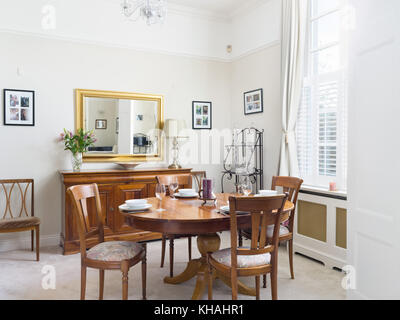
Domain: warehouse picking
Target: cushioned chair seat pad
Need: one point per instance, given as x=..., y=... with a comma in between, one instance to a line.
x=17, y=223
x=224, y=257
x=283, y=231
x=114, y=251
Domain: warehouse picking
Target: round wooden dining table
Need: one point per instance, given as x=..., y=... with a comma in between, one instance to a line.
x=191, y=217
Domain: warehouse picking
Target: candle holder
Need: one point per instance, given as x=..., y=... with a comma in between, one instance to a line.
x=206, y=192
x=205, y=200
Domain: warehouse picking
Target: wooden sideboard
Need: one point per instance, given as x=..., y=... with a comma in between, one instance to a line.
x=115, y=187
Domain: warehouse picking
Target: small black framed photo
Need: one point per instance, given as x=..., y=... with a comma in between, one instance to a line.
x=19, y=107
x=202, y=115
x=253, y=102
x=101, y=124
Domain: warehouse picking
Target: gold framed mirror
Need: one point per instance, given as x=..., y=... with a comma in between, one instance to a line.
x=127, y=126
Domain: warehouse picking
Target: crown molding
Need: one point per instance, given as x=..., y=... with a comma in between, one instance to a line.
x=256, y=50
x=114, y=45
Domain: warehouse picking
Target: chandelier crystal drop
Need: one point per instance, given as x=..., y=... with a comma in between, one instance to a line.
x=153, y=11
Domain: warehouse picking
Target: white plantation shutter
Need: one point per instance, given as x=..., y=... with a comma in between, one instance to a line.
x=322, y=121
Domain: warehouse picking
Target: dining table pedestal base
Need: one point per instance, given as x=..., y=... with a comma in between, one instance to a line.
x=198, y=267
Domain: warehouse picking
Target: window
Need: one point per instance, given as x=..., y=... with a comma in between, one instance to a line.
x=322, y=121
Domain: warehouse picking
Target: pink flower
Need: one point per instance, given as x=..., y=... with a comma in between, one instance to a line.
x=94, y=140
x=62, y=136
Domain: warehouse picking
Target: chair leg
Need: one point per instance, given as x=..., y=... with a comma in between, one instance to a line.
x=190, y=248
x=234, y=284
x=83, y=282
x=258, y=287
x=37, y=243
x=125, y=270
x=290, y=244
x=264, y=281
x=274, y=285
x=33, y=240
x=163, y=244
x=210, y=282
x=171, y=257
x=240, y=238
x=144, y=273
x=101, y=284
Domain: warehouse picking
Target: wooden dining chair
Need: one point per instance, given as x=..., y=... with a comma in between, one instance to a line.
x=262, y=256
x=184, y=182
x=19, y=215
x=113, y=255
x=197, y=177
x=292, y=186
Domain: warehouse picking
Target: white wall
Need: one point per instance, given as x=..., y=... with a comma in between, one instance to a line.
x=260, y=70
x=256, y=29
x=55, y=68
x=257, y=64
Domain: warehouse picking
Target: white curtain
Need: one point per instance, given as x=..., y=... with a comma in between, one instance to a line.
x=294, y=30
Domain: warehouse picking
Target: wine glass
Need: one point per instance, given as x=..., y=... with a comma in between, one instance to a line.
x=247, y=186
x=160, y=194
x=173, y=186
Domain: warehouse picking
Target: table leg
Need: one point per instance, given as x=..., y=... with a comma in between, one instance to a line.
x=205, y=243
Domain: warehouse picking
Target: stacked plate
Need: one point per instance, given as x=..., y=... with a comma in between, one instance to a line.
x=186, y=193
x=135, y=205
x=267, y=193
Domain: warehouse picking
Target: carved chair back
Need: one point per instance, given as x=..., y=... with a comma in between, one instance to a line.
x=79, y=196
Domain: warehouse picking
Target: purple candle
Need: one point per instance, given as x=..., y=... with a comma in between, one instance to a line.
x=207, y=188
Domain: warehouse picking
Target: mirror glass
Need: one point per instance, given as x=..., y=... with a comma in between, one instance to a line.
x=123, y=126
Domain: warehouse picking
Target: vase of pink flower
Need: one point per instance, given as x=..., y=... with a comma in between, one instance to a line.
x=78, y=144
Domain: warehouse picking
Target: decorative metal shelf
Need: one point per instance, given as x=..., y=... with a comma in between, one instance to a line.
x=247, y=158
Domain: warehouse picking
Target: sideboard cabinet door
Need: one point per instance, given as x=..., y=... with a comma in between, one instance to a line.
x=123, y=193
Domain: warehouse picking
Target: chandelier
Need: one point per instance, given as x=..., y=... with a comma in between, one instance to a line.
x=153, y=11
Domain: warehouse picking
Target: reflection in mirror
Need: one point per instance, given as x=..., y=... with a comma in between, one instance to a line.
x=122, y=126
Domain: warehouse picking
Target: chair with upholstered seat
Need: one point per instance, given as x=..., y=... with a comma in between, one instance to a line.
x=262, y=256
x=292, y=186
x=113, y=255
x=184, y=182
x=16, y=217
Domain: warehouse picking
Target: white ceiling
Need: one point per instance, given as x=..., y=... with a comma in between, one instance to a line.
x=223, y=7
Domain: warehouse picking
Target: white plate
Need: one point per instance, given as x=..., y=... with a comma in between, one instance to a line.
x=130, y=209
x=186, y=191
x=225, y=209
x=268, y=193
x=179, y=195
x=136, y=203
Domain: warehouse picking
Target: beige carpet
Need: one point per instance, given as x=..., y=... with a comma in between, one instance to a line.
x=21, y=277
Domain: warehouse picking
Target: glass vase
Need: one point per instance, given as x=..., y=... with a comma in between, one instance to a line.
x=76, y=160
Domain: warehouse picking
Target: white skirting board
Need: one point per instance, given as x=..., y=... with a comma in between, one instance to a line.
x=24, y=243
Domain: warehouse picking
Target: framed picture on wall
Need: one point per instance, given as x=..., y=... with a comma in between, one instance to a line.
x=202, y=115
x=19, y=107
x=253, y=102
x=101, y=124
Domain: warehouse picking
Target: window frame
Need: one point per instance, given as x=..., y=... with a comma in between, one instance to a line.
x=313, y=81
